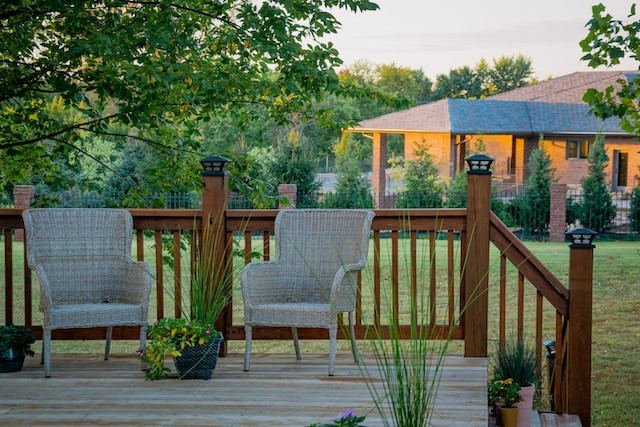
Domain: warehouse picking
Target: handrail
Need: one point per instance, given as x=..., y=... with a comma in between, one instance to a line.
x=531, y=268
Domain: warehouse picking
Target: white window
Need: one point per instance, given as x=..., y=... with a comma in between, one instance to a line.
x=578, y=148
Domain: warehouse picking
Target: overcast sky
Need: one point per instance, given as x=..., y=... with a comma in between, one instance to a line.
x=437, y=35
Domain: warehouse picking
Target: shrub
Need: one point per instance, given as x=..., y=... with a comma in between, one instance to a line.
x=422, y=178
x=635, y=209
x=596, y=210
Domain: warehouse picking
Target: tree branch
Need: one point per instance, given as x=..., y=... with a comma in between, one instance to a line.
x=145, y=140
x=56, y=133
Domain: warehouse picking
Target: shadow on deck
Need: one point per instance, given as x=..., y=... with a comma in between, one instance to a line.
x=279, y=391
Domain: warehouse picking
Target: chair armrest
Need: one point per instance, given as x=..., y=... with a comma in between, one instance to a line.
x=46, y=302
x=135, y=283
x=261, y=282
x=343, y=297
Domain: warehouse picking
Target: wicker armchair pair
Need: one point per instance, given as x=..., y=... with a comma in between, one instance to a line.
x=313, y=277
x=82, y=258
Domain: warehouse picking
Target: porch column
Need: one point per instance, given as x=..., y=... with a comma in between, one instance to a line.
x=378, y=169
x=579, y=328
x=215, y=196
x=290, y=191
x=22, y=197
x=476, y=275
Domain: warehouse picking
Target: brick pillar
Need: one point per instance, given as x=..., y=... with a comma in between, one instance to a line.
x=290, y=191
x=378, y=169
x=558, y=213
x=22, y=198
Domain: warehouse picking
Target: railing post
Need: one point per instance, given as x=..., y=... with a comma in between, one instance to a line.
x=579, y=325
x=215, y=196
x=476, y=299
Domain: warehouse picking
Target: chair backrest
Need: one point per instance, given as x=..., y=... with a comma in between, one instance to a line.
x=78, y=235
x=315, y=243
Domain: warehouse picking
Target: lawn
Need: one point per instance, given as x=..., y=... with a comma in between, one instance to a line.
x=616, y=326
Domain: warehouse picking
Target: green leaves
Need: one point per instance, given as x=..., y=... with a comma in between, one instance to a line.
x=156, y=65
x=607, y=42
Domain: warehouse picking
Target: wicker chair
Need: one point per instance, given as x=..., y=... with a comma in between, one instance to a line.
x=312, y=279
x=82, y=258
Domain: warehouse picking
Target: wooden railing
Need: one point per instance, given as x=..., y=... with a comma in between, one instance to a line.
x=439, y=256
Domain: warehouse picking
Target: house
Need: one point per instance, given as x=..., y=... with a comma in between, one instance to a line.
x=511, y=125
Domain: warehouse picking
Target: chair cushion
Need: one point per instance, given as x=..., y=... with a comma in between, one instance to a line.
x=90, y=315
x=291, y=314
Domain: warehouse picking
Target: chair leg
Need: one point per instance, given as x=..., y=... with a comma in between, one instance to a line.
x=247, y=348
x=296, y=344
x=352, y=332
x=143, y=343
x=333, y=348
x=107, y=345
x=46, y=352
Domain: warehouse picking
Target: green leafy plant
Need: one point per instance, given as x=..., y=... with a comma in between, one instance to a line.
x=211, y=285
x=516, y=360
x=12, y=336
x=504, y=392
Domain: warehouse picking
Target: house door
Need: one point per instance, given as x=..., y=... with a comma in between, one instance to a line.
x=620, y=162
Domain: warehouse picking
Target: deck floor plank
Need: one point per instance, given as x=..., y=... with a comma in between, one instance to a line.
x=279, y=391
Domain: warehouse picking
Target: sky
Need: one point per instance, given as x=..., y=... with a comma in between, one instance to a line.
x=438, y=35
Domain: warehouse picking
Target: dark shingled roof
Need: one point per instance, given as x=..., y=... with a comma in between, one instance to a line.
x=553, y=106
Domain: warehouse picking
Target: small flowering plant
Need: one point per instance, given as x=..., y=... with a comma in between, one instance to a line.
x=348, y=418
x=170, y=336
x=505, y=392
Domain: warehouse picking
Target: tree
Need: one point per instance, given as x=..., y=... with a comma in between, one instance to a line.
x=510, y=72
x=532, y=211
x=608, y=41
x=353, y=189
x=506, y=73
x=156, y=68
x=597, y=210
x=422, y=178
x=292, y=164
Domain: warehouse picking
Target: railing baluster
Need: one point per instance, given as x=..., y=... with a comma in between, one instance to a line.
x=28, y=294
x=520, y=306
x=159, y=276
x=177, y=275
x=247, y=247
x=414, y=276
x=395, y=283
x=432, y=279
x=503, y=303
x=266, y=245
x=539, y=313
x=8, y=276
x=376, y=277
x=140, y=245
x=450, y=279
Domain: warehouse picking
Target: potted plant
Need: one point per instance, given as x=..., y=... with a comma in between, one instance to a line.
x=517, y=360
x=15, y=344
x=193, y=340
x=505, y=393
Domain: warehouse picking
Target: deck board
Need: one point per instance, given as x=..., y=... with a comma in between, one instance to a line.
x=279, y=391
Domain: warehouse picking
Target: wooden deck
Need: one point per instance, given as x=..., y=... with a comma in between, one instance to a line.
x=279, y=391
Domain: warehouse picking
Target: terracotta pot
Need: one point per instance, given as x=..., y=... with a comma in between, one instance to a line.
x=524, y=415
x=509, y=417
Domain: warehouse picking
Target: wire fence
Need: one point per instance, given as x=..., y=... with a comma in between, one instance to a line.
x=619, y=220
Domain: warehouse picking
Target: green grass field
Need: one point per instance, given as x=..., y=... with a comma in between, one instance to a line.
x=616, y=313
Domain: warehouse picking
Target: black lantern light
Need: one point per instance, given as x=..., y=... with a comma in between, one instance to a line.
x=479, y=164
x=582, y=238
x=214, y=166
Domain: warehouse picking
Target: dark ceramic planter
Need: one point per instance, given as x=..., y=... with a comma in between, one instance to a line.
x=12, y=359
x=199, y=361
